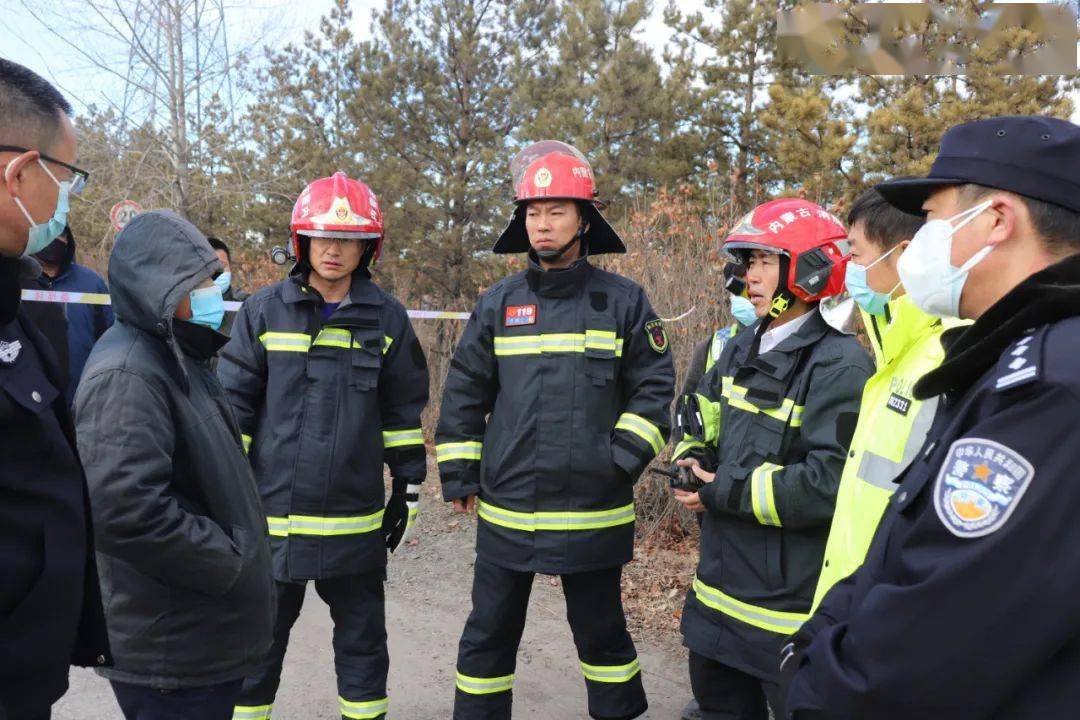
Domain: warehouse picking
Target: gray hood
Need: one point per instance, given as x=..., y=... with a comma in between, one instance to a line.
x=158, y=258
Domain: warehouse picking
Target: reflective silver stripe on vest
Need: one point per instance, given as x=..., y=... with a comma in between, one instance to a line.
x=880, y=471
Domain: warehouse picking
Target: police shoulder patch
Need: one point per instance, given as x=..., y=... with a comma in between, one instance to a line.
x=979, y=486
x=654, y=330
x=9, y=351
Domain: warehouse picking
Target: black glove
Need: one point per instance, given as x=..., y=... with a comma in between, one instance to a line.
x=401, y=512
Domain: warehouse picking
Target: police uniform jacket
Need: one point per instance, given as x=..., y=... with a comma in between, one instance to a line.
x=50, y=605
x=966, y=604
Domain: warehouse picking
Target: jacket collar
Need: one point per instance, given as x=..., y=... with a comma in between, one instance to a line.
x=13, y=273
x=780, y=361
x=198, y=341
x=362, y=291
x=557, y=283
x=1048, y=296
x=812, y=330
x=902, y=325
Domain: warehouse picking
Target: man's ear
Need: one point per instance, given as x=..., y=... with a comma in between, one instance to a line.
x=13, y=172
x=1009, y=213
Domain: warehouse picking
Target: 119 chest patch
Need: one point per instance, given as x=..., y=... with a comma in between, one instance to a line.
x=520, y=315
x=979, y=486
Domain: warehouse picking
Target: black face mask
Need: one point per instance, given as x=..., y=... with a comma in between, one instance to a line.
x=54, y=253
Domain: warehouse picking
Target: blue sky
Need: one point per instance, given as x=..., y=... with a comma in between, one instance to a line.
x=275, y=21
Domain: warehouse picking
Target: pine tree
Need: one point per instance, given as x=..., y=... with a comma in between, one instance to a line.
x=602, y=91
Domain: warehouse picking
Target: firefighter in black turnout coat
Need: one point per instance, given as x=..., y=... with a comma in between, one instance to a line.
x=778, y=412
x=556, y=401
x=328, y=382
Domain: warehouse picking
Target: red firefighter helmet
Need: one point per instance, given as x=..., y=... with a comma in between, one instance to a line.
x=337, y=207
x=811, y=241
x=553, y=170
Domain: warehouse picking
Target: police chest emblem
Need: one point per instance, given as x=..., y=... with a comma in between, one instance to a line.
x=979, y=485
x=658, y=341
x=9, y=351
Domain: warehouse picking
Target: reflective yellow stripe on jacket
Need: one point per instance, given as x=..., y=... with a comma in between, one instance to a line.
x=762, y=497
x=324, y=526
x=783, y=623
x=469, y=450
x=556, y=521
x=402, y=438
x=548, y=343
x=301, y=342
x=684, y=447
x=644, y=429
x=788, y=412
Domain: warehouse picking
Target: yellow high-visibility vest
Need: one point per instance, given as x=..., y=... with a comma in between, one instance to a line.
x=892, y=427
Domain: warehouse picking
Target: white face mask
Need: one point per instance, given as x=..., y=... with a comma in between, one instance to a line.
x=926, y=268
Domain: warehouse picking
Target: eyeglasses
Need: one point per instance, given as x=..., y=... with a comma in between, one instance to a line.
x=79, y=177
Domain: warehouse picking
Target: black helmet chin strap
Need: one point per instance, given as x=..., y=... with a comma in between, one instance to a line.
x=551, y=255
x=368, y=255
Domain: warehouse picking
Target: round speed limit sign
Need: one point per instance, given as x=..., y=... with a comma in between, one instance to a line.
x=122, y=212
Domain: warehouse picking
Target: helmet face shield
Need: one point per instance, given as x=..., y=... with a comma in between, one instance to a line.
x=740, y=252
x=339, y=235
x=534, y=152
x=811, y=242
x=337, y=207
x=553, y=170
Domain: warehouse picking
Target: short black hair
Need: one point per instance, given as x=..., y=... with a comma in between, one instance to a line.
x=1059, y=227
x=30, y=107
x=884, y=224
x=219, y=244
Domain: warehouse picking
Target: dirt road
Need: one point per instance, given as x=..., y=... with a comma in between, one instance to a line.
x=427, y=603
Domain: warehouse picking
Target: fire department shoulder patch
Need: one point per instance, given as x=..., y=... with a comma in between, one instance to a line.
x=654, y=330
x=979, y=486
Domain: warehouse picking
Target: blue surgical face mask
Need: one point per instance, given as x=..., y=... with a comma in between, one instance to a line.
x=207, y=307
x=42, y=234
x=223, y=281
x=858, y=287
x=743, y=310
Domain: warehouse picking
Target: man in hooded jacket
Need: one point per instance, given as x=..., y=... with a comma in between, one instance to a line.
x=181, y=536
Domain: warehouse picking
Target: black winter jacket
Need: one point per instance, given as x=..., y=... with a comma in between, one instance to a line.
x=556, y=401
x=323, y=405
x=181, y=537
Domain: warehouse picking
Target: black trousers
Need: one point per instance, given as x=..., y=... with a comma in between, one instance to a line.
x=725, y=693
x=214, y=702
x=357, y=606
x=487, y=654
